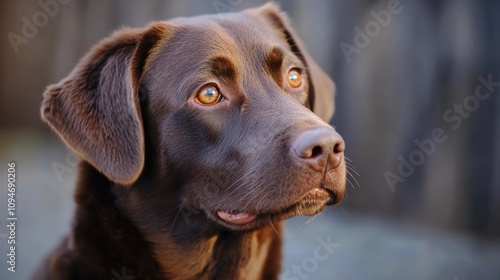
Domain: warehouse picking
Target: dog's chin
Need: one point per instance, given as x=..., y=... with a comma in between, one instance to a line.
x=311, y=203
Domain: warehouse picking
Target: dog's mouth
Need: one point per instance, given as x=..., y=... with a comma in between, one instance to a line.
x=310, y=203
x=237, y=218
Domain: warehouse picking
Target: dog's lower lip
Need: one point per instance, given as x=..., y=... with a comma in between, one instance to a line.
x=236, y=218
x=317, y=194
x=313, y=196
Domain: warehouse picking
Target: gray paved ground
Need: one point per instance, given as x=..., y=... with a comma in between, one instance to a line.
x=371, y=248
x=359, y=247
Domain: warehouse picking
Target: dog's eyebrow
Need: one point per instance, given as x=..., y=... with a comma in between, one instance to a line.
x=223, y=67
x=273, y=61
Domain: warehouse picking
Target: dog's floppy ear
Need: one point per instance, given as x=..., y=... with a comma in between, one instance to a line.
x=322, y=88
x=96, y=109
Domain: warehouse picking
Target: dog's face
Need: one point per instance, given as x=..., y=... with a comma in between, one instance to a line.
x=211, y=114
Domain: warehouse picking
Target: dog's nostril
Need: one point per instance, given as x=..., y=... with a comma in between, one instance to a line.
x=319, y=147
x=338, y=148
x=316, y=152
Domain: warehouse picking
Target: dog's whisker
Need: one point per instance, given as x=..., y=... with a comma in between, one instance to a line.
x=260, y=201
x=351, y=169
x=239, y=180
x=350, y=163
x=241, y=186
x=350, y=183
x=272, y=225
x=249, y=192
x=256, y=195
x=262, y=191
x=303, y=226
x=311, y=219
x=348, y=159
x=326, y=213
x=357, y=183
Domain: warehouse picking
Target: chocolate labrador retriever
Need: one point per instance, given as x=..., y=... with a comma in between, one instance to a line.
x=197, y=137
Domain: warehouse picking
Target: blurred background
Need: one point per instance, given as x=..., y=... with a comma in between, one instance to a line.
x=417, y=103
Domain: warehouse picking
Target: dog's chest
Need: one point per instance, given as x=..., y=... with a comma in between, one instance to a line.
x=254, y=266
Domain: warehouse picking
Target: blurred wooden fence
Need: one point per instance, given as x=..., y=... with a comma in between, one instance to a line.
x=399, y=66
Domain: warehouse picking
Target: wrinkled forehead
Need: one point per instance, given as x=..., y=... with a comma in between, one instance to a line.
x=222, y=46
x=234, y=34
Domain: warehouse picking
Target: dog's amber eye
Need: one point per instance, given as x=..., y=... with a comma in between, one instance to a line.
x=209, y=95
x=294, y=78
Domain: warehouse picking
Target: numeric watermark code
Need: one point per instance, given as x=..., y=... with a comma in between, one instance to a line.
x=11, y=217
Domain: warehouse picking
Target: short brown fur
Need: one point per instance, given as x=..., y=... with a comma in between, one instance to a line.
x=157, y=167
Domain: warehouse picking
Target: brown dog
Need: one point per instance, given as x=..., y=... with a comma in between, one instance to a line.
x=197, y=138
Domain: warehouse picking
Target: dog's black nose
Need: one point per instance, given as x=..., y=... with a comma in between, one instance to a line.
x=319, y=147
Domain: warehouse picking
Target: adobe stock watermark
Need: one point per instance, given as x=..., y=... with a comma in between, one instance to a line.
x=363, y=37
x=454, y=118
x=39, y=19
x=66, y=168
x=226, y=6
x=121, y=276
x=310, y=264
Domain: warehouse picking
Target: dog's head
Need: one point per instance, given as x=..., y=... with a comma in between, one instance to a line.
x=226, y=115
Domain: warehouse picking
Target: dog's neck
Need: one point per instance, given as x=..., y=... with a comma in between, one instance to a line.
x=188, y=245
x=104, y=242
x=221, y=255
x=124, y=237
